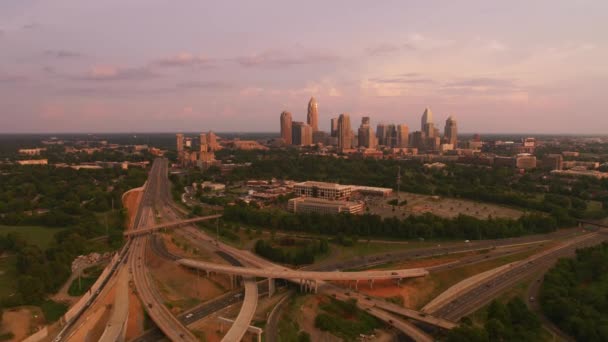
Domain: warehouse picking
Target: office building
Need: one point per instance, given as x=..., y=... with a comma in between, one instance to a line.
x=525, y=161
x=553, y=162
x=381, y=131
x=286, y=127
x=180, y=143
x=212, y=142
x=301, y=134
x=403, y=138
x=321, y=206
x=345, y=134
x=366, y=136
x=328, y=191
x=203, y=147
x=427, y=118
x=334, y=127
x=450, y=134
x=313, y=114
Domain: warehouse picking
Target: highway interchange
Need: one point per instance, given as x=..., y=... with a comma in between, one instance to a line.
x=156, y=201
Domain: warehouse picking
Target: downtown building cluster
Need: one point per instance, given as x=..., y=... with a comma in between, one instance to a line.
x=347, y=140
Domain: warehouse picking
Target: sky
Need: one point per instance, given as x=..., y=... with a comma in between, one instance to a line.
x=193, y=65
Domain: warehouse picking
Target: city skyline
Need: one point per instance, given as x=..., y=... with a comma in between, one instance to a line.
x=69, y=71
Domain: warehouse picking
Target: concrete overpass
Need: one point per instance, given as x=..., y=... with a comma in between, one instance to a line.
x=173, y=224
x=308, y=279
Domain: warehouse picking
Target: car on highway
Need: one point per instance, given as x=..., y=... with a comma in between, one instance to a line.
x=189, y=315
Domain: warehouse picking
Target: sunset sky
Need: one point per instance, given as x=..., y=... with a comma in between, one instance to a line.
x=164, y=66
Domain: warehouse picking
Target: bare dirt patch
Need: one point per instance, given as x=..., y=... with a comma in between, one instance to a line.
x=135, y=323
x=182, y=288
x=131, y=202
x=21, y=321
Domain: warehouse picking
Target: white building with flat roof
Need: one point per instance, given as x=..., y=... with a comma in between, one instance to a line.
x=329, y=191
x=323, y=206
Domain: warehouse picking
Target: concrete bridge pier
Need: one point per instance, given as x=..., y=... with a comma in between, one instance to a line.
x=271, y=287
x=371, y=283
x=301, y=285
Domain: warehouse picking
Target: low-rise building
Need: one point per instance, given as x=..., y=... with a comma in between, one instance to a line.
x=31, y=151
x=323, y=206
x=525, y=161
x=329, y=191
x=213, y=186
x=33, y=162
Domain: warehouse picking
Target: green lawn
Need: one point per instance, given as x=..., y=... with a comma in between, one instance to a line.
x=8, y=281
x=37, y=235
x=80, y=287
x=53, y=310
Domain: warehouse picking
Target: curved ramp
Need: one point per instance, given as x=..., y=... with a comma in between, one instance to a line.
x=115, y=329
x=250, y=303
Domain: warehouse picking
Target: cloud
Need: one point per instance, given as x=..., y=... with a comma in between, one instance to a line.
x=407, y=78
x=185, y=60
x=114, y=73
x=487, y=82
x=62, y=54
x=495, y=45
x=483, y=85
x=11, y=78
x=203, y=85
x=276, y=59
x=383, y=49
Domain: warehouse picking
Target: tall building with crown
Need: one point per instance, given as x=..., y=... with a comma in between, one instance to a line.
x=313, y=114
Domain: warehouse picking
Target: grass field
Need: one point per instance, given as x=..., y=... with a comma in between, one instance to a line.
x=37, y=235
x=53, y=310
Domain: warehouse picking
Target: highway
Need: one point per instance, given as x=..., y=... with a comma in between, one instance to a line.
x=484, y=291
x=156, y=189
x=443, y=249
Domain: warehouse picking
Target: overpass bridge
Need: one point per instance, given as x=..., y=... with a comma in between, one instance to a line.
x=174, y=224
x=308, y=279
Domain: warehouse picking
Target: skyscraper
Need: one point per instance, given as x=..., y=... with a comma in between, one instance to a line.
x=366, y=136
x=212, y=141
x=203, y=143
x=301, y=133
x=427, y=118
x=450, y=135
x=402, y=136
x=180, y=143
x=390, y=139
x=286, y=127
x=381, y=130
x=344, y=132
x=334, y=127
x=313, y=114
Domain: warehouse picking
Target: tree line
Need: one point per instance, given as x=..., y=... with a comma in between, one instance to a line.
x=303, y=253
x=574, y=294
x=427, y=226
x=504, y=322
